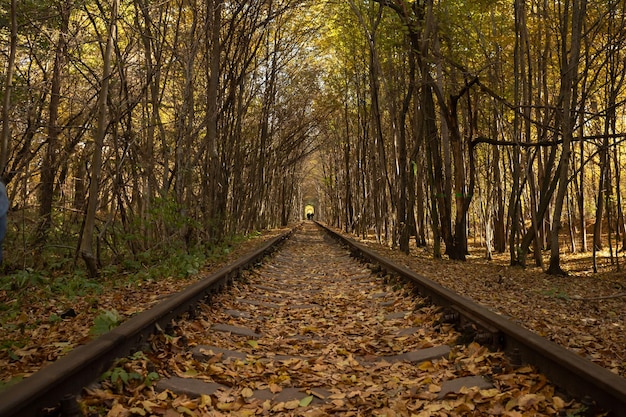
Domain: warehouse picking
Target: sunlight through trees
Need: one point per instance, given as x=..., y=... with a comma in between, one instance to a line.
x=136, y=126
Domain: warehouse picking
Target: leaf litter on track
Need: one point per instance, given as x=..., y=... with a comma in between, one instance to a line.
x=325, y=323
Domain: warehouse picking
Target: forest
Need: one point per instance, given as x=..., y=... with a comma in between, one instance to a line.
x=138, y=130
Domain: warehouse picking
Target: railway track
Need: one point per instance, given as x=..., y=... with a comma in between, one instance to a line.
x=315, y=332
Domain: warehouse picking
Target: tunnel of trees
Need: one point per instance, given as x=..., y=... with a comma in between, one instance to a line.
x=134, y=127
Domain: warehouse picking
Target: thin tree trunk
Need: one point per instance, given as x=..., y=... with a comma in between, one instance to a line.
x=8, y=91
x=49, y=167
x=217, y=182
x=86, y=244
x=567, y=122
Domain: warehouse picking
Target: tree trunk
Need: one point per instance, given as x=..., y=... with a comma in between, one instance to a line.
x=86, y=244
x=8, y=91
x=216, y=182
x=567, y=122
x=49, y=167
x=349, y=209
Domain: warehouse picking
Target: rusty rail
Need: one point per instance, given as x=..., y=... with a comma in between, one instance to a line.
x=49, y=387
x=574, y=374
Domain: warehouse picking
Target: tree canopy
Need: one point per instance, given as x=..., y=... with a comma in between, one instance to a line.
x=134, y=127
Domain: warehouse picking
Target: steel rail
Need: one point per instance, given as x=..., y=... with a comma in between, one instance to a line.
x=574, y=374
x=65, y=377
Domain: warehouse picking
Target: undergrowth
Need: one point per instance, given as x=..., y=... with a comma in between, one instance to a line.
x=61, y=283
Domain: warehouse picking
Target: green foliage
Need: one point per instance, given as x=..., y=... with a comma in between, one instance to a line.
x=167, y=212
x=178, y=264
x=556, y=293
x=22, y=279
x=9, y=383
x=122, y=375
x=119, y=377
x=55, y=318
x=104, y=322
x=9, y=347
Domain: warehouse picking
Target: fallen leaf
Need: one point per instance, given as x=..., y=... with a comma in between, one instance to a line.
x=434, y=388
x=205, y=400
x=558, y=402
x=306, y=401
x=118, y=410
x=292, y=405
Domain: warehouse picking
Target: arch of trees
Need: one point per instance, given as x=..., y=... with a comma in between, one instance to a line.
x=139, y=125
x=498, y=121
x=135, y=125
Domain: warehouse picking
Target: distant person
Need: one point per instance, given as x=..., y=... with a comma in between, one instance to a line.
x=4, y=208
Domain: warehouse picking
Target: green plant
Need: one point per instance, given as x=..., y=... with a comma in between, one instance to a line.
x=54, y=318
x=104, y=322
x=25, y=278
x=120, y=377
x=7, y=384
x=556, y=293
x=75, y=285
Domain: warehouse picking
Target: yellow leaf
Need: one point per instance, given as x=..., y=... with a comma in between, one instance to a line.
x=558, y=402
x=137, y=410
x=338, y=403
x=205, y=400
x=292, y=405
x=224, y=406
x=353, y=394
x=185, y=403
x=489, y=393
x=434, y=407
x=528, y=400
x=247, y=393
x=217, y=370
x=425, y=366
x=185, y=410
x=117, y=410
x=306, y=401
x=511, y=404
x=278, y=407
x=253, y=343
x=434, y=388
x=338, y=396
x=163, y=396
x=147, y=405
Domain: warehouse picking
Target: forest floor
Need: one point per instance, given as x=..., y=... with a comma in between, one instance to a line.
x=582, y=312
x=47, y=327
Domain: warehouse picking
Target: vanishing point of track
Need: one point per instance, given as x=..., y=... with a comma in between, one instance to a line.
x=312, y=331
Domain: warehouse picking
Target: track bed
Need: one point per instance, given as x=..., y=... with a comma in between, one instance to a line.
x=314, y=332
